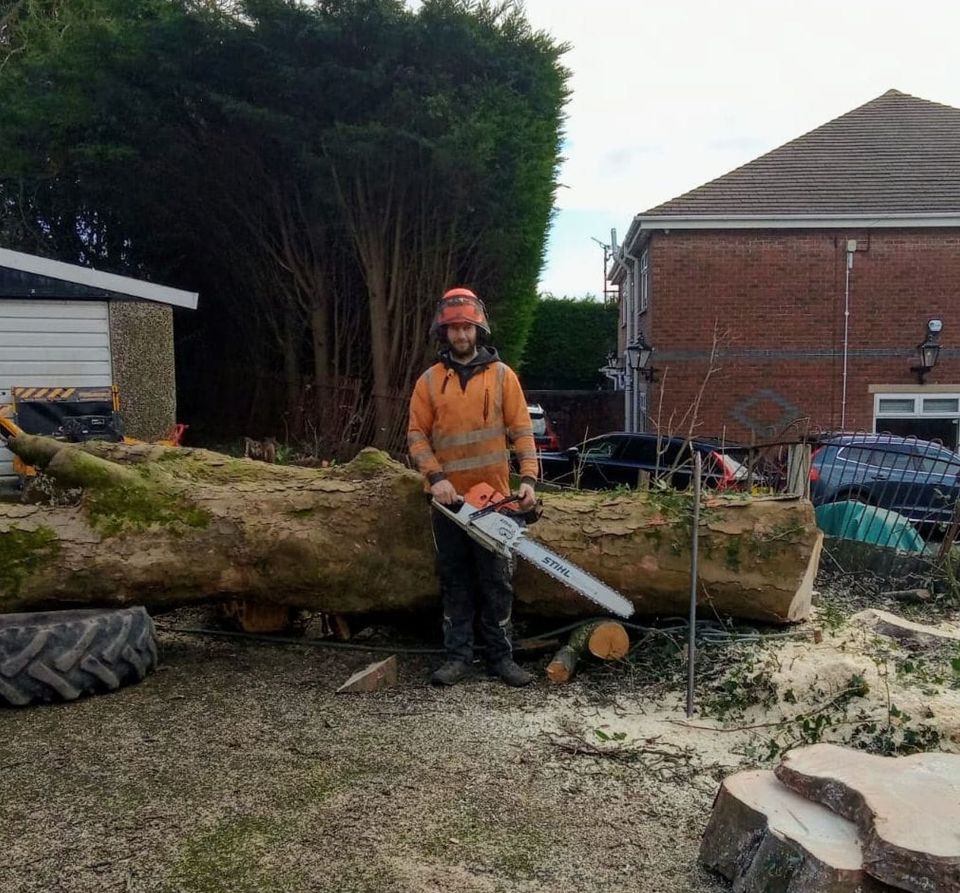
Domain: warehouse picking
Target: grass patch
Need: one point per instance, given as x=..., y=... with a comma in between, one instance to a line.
x=235, y=855
x=504, y=840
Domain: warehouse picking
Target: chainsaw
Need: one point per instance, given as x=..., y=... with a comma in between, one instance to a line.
x=483, y=514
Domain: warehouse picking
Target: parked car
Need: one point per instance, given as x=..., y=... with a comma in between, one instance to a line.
x=543, y=433
x=619, y=459
x=916, y=478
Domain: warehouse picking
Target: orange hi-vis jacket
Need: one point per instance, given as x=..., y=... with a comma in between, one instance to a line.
x=462, y=434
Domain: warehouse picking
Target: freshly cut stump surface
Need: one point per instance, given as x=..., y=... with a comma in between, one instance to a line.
x=609, y=641
x=907, y=809
x=765, y=837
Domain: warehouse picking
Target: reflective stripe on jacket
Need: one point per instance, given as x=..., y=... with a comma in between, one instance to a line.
x=464, y=434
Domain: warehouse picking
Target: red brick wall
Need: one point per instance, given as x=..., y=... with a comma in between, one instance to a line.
x=783, y=292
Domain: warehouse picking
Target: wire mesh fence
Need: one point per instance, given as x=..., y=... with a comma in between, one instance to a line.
x=897, y=492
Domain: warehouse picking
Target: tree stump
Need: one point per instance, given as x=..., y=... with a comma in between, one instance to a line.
x=764, y=837
x=907, y=809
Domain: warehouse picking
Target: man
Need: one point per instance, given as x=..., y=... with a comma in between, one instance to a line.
x=463, y=412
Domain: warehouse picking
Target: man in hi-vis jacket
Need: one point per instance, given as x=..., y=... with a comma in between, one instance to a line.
x=466, y=413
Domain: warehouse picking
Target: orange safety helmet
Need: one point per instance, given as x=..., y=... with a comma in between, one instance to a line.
x=460, y=305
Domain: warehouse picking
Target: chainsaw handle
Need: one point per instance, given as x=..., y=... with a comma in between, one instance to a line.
x=493, y=506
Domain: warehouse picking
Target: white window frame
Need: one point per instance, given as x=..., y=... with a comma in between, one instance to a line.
x=918, y=413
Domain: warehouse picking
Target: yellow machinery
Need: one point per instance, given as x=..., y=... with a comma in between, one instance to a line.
x=8, y=427
x=72, y=414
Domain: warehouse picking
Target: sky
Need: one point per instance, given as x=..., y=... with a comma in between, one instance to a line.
x=669, y=95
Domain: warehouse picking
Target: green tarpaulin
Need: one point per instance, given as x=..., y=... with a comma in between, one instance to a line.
x=869, y=524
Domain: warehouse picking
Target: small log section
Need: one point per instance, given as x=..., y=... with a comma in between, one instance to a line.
x=764, y=837
x=373, y=677
x=605, y=640
x=162, y=526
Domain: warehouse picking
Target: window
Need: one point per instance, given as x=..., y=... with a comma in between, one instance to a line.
x=854, y=454
x=941, y=404
x=602, y=448
x=923, y=415
x=675, y=455
x=895, y=405
x=931, y=465
x=890, y=460
x=642, y=450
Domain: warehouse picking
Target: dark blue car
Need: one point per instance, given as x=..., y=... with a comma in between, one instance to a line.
x=916, y=478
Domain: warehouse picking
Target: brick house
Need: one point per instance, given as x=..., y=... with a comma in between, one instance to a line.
x=819, y=266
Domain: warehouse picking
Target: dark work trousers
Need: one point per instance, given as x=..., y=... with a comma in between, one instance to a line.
x=473, y=581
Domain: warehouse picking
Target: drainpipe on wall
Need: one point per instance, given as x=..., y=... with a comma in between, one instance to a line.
x=851, y=247
x=629, y=373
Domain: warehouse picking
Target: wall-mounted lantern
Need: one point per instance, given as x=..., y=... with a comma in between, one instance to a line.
x=928, y=350
x=640, y=355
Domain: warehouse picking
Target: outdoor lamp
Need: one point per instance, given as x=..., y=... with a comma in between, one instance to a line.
x=614, y=368
x=640, y=354
x=928, y=350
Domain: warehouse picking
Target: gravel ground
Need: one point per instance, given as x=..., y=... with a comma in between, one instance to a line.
x=235, y=767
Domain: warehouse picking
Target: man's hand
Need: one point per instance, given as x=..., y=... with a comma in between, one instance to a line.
x=443, y=491
x=528, y=498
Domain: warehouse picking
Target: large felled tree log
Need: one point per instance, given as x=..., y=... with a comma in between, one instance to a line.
x=161, y=527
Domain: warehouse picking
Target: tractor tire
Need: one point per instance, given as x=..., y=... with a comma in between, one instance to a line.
x=64, y=655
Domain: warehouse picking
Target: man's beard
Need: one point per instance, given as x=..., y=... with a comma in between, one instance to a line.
x=463, y=351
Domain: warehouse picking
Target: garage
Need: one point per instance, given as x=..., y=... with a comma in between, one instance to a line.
x=67, y=326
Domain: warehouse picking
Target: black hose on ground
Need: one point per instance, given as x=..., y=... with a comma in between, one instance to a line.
x=710, y=632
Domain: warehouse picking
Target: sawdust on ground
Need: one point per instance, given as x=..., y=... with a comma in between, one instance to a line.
x=235, y=767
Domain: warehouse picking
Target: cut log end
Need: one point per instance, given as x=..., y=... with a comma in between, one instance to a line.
x=561, y=669
x=609, y=641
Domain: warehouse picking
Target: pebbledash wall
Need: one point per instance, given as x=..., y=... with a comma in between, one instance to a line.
x=142, y=357
x=776, y=301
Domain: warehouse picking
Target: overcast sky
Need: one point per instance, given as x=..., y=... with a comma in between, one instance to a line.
x=669, y=95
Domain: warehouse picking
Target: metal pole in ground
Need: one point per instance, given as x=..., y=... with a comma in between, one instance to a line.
x=695, y=541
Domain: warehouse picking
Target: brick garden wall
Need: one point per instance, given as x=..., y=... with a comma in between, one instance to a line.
x=778, y=300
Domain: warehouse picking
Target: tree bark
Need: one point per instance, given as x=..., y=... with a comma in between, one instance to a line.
x=162, y=527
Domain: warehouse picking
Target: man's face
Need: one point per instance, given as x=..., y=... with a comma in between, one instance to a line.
x=463, y=340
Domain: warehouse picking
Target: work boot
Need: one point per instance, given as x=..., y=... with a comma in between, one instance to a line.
x=450, y=673
x=511, y=672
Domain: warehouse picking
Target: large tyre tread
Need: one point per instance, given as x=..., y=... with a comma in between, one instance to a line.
x=64, y=655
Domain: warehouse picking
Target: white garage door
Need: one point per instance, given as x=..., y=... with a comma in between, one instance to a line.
x=52, y=343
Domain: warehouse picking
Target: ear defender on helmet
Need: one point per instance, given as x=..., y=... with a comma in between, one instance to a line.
x=459, y=305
